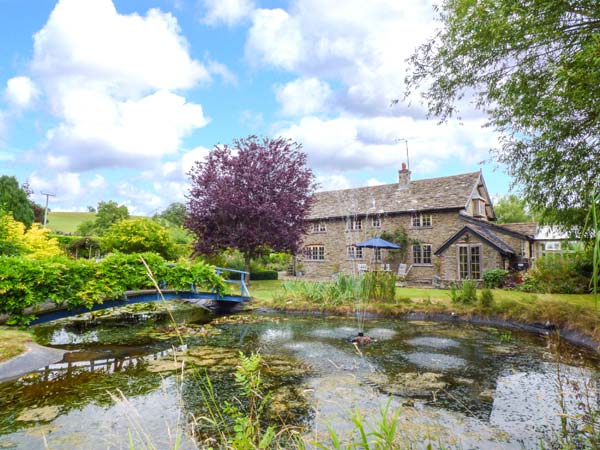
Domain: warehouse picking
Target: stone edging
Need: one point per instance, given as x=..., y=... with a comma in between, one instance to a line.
x=571, y=336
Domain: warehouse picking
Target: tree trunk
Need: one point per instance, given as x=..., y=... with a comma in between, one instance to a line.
x=247, y=259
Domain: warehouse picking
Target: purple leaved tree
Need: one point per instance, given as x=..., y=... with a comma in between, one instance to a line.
x=252, y=196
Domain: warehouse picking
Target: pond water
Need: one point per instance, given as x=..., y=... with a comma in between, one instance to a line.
x=461, y=385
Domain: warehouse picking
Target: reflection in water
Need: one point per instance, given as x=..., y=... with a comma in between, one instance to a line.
x=458, y=383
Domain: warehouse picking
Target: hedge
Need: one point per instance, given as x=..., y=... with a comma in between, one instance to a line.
x=25, y=283
x=255, y=275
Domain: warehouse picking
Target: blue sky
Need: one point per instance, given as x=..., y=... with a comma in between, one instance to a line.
x=115, y=100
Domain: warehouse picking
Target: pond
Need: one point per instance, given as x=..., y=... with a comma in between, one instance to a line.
x=462, y=385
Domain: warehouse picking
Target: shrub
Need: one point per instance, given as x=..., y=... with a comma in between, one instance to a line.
x=560, y=275
x=33, y=243
x=465, y=292
x=25, y=283
x=138, y=235
x=259, y=274
x=486, y=298
x=495, y=278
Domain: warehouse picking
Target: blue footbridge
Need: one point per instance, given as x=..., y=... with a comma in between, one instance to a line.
x=219, y=303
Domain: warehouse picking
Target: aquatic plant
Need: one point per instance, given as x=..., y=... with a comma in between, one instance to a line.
x=465, y=292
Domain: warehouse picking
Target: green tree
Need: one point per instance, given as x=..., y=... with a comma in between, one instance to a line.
x=512, y=209
x=174, y=213
x=14, y=199
x=137, y=236
x=533, y=67
x=109, y=213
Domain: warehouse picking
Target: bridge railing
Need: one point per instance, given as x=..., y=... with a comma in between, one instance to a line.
x=241, y=282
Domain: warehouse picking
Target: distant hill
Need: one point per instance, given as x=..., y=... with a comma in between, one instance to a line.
x=67, y=222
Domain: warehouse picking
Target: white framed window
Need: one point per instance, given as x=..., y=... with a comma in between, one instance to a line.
x=377, y=254
x=481, y=208
x=422, y=221
x=552, y=246
x=314, y=252
x=354, y=224
x=376, y=222
x=522, y=248
x=354, y=252
x=469, y=262
x=319, y=227
x=421, y=254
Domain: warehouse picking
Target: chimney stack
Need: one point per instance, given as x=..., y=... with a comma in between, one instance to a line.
x=403, y=177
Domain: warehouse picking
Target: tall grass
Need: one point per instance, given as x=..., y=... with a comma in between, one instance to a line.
x=345, y=289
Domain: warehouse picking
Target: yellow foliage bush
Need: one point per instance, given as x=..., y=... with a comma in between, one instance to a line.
x=33, y=243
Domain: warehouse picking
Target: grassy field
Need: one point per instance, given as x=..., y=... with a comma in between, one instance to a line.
x=570, y=311
x=67, y=222
x=12, y=342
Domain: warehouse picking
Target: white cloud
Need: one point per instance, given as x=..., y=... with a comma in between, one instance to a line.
x=347, y=143
x=65, y=186
x=90, y=44
x=229, y=12
x=112, y=92
x=364, y=48
x=332, y=182
x=275, y=39
x=303, y=96
x=98, y=182
x=132, y=133
x=374, y=182
x=20, y=91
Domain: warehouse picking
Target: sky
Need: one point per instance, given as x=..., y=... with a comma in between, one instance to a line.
x=116, y=99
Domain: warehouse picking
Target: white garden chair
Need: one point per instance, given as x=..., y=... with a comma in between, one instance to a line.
x=362, y=268
x=403, y=270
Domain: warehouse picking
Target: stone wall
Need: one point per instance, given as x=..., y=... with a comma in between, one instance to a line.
x=491, y=258
x=337, y=238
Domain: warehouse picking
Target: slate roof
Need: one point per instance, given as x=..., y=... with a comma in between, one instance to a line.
x=484, y=233
x=529, y=229
x=523, y=230
x=420, y=195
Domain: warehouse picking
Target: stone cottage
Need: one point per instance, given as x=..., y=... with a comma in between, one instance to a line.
x=448, y=224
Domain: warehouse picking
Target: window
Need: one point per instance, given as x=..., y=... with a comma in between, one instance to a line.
x=319, y=227
x=552, y=246
x=481, y=207
x=469, y=262
x=522, y=248
x=422, y=221
x=314, y=253
x=376, y=222
x=355, y=252
x=377, y=253
x=421, y=254
x=354, y=224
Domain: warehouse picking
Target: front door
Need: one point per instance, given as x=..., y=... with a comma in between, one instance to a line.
x=469, y=262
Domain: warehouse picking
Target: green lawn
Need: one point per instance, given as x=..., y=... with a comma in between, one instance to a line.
x=267, y=290
x=12, y=342
x=67, y=222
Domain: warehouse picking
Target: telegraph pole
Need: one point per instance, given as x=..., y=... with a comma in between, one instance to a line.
x=46, y=210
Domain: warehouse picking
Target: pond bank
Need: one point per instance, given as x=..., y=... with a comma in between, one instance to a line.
x=33, y=357
x=574, y=337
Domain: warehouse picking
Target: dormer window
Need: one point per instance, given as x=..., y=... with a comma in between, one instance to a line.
x=422, y=221
x=479, y=207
